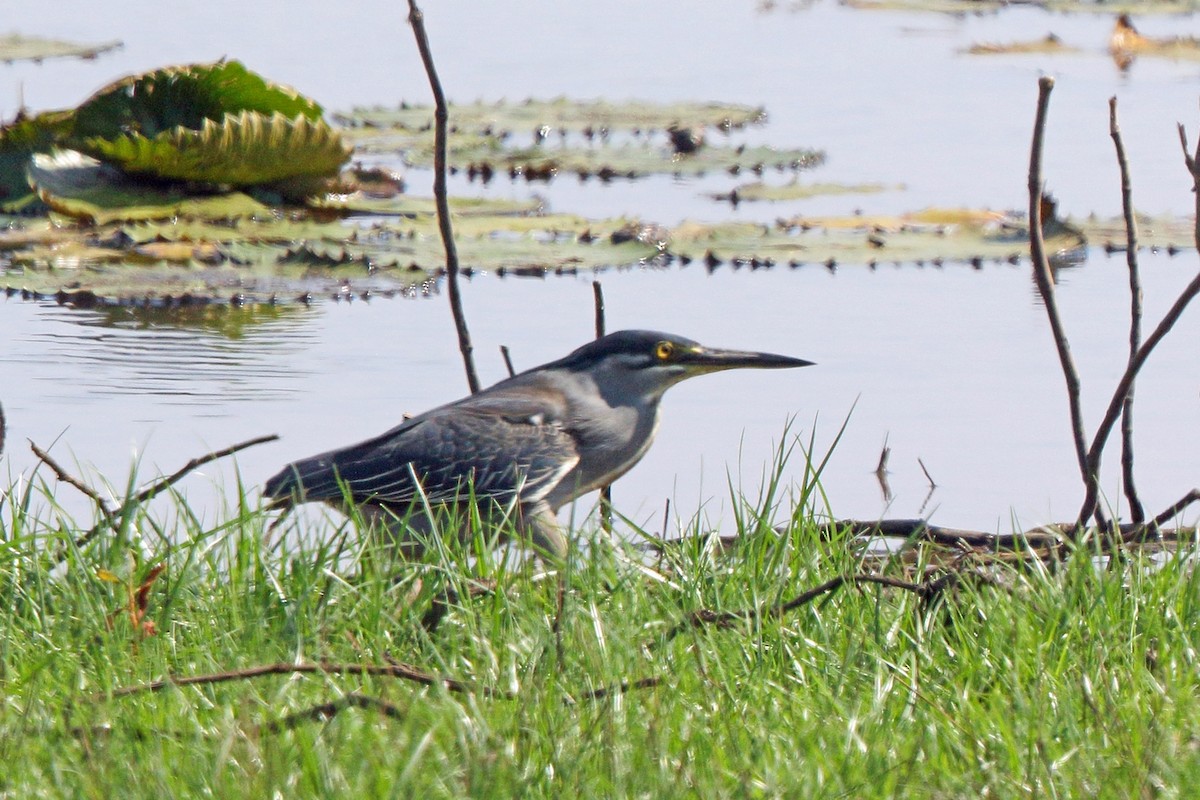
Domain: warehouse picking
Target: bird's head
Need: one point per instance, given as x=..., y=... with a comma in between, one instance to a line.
x=647, y=363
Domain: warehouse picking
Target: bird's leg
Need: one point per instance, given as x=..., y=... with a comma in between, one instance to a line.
x=539, y=526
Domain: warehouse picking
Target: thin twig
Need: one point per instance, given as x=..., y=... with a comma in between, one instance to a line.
x=110, y=518
x=623, y=687
x=151, y=491
x=928, y=477
x=440, y=116
x=1045, y=279
x=507, y=360
x=71, y=480
x=606, y=515
x=394, y=669
x=326, y=711
x=598, y=299
x=1176, y=508
x=1136, y=510
x=704, y=616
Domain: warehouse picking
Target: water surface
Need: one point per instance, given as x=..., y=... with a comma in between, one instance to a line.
x=950, y=365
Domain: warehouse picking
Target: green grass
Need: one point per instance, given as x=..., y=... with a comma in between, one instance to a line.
x=1077, y=682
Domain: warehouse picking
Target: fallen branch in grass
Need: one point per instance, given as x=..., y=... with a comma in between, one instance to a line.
x=393, y=669
x=926, y=590
x=111, y=518
x=323, y=712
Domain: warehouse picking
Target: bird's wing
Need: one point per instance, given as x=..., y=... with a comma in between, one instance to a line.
x=486, y=448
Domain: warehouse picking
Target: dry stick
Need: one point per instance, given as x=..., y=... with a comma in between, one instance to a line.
x=1178, y=506
x=110, y=519
x=1091, y=502
x=706, y=616
x=1045, y=280
x=606, y=515
x=326, y=711
x=928, y=477
x=394, y=669
x=440, y=116
x=71, y=480
x=1136, y=511
x=151, y=491
x=507, y=360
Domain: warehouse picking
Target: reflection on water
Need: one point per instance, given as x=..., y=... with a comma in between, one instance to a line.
x=208, y=355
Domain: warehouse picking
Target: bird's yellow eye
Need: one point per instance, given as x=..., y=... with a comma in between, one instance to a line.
x=664, y=350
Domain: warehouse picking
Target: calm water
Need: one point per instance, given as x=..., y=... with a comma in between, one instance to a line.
x=953, y=366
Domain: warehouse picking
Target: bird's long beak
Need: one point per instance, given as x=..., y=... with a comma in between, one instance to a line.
x=701, y=360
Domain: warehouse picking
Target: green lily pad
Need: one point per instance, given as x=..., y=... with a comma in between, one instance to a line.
x=15, y=47
x=248, y=149
x=216, y=123
x=84, y=189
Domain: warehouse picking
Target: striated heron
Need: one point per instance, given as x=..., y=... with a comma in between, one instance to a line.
x=520, y=449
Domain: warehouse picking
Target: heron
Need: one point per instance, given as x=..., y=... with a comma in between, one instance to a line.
x=519, y=450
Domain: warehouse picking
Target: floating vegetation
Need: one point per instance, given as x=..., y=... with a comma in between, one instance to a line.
x=275, y=258
x=795, y=190
x=959, y=7
x=1047, y=45
x=540, y=139
x=15, y=47
x=218, y=124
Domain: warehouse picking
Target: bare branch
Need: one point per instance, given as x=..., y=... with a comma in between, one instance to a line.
x=507, y=360
x=149, y=492
x=394, y=669
x=1176, y=508
x=598, y=298
x=1091, y=502
x=928, y=477
x=606, y=515
x=1045, y=279
x=1136, y=511
x=326, y=711
x=440, y=116
x=71, y=480
x=110, y=518
x=703, y=617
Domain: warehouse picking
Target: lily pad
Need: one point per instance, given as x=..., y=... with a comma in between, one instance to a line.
x=795, y=190
x=593, y=118
x=959, y=7
x=84, y=189
x=936, y=235
x=214, y=123
x=15, y=47
x=597, y=139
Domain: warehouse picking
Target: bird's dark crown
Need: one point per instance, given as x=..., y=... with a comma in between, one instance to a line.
x=656, y=347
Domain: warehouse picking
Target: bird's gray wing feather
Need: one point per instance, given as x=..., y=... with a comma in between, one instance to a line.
x=485, y=447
